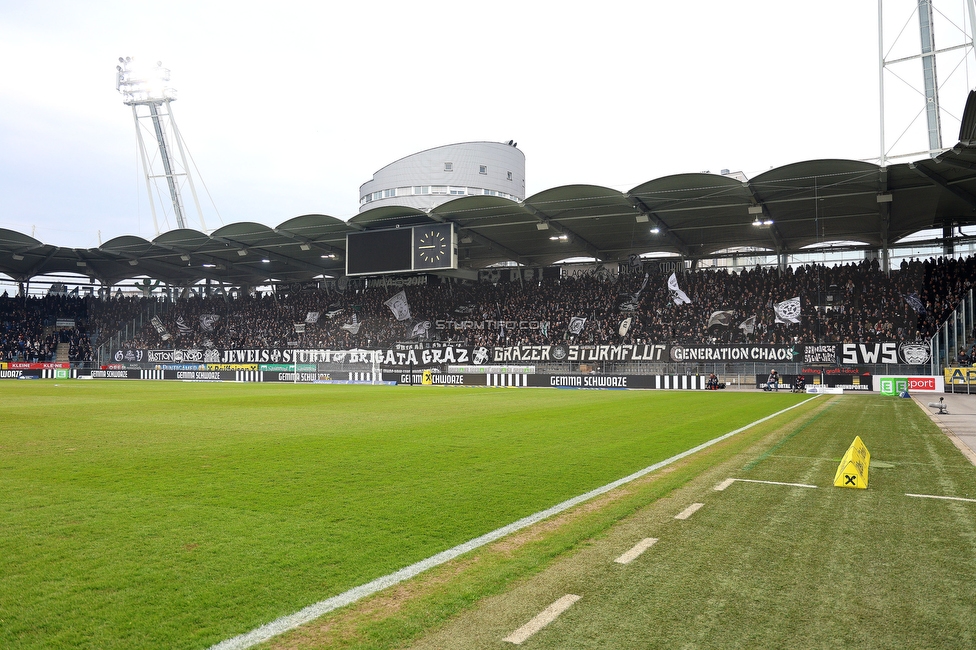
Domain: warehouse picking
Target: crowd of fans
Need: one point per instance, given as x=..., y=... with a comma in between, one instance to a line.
x=843, y=303
x=29, y=329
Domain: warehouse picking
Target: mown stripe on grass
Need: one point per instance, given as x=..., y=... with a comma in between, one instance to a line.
x=769, y=452
x=314, y=611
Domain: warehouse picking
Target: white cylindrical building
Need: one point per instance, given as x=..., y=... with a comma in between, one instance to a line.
x=428, y=178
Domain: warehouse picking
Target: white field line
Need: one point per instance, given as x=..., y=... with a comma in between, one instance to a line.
x=689, y=511
x=635, y=552
x=315, y=610
x=729, y=481
x=932, y=496
x=724, y=484
x=544, y=618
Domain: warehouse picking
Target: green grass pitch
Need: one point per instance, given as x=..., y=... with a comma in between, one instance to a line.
x=152, y=514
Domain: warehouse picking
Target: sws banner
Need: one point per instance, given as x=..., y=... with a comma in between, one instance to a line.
x=913, y=353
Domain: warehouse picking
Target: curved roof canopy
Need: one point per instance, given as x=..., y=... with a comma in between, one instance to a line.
x=695, y=215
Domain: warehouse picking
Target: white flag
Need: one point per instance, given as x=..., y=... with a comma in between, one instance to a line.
x=398, y=305
x=625, y=326
x=312, y=317
x=353, y=327
x=788, y=311
x=677, y=294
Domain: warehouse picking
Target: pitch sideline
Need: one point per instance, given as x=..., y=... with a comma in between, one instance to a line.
x=314, y=611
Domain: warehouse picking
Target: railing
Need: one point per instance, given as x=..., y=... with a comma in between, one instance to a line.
x=953, y=335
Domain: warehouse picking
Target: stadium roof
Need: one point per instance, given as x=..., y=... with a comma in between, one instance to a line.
x=697, y=215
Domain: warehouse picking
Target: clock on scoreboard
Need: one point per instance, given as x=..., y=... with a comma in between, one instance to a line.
x=401, y=250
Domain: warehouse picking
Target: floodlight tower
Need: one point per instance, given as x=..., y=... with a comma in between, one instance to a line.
x=146, y=89
x=957, y=51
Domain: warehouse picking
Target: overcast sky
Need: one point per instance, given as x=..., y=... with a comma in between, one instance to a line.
x=287, y=110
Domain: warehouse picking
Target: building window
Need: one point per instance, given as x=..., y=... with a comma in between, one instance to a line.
x=509, y=175
x=458, y=191
x=483, y=169
x=438, y=189
x=388, y=193
x=448, y=166
x=421, y=189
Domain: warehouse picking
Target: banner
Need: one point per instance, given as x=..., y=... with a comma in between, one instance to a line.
x=736, y=352
x=913, y=353
x=960, y=376
x=312, y=317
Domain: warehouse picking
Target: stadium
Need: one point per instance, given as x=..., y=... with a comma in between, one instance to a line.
x=708, y=411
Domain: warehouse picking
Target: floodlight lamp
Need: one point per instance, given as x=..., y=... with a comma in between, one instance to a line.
x=542, y=225
x=768, y=222
x=755, y=209
x=757, y=222
x=305, y=247
x=642, y=218
x=655, y=230
x=141, y=84
x=265, y=261
x=242, y=252
x=209, y=266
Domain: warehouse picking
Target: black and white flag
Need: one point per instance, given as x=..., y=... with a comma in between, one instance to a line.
x=398, y=305
x=630, y=302
x=576, y=324
x=625, y=326
x=207, y=321
x=748, y=326
x=160, y=328
x=418, y=329
x=353, y=327
x=719, y=319
x=182, y=326
x=788, y=311
x=677, y=295
x=312, y=317
x=299, y=328
x=915, y=303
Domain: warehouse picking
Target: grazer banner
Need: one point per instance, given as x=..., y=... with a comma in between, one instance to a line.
x=580, y=353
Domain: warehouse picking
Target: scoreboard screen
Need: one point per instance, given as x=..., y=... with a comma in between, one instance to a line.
x=401, y=250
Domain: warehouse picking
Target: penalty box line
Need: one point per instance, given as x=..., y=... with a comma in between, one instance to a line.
x=314, y=611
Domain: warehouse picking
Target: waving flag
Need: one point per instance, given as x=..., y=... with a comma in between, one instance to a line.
x=748, y=326
x=788, y=311
x=398, y=305
x=677, y=294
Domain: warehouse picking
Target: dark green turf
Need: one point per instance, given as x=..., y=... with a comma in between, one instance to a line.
x=151, y=514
